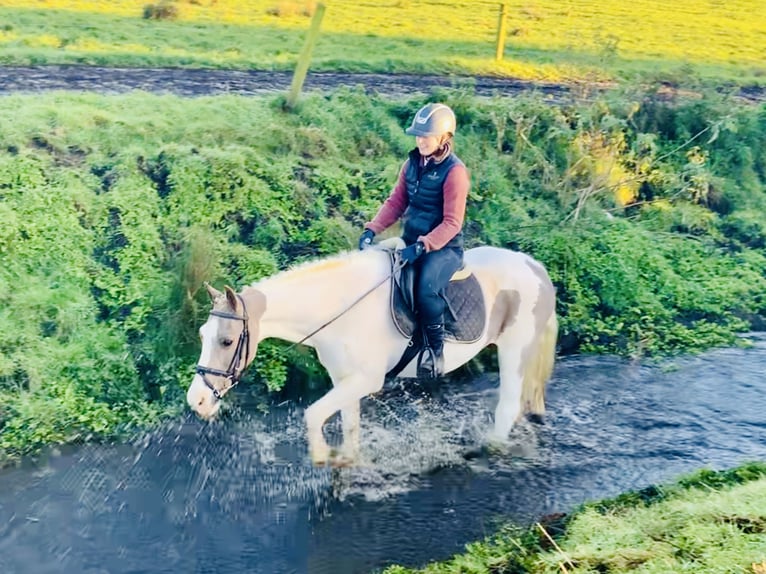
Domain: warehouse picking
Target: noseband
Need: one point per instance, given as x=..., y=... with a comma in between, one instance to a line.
x=236, y=366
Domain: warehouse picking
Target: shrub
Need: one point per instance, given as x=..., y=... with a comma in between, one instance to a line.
x=163, y=10
x=104, y=251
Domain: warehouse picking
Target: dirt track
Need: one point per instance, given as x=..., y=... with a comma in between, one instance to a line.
x=199, y=82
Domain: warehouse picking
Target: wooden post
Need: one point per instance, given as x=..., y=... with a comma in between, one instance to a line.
x=302, y=67
x=501, y=32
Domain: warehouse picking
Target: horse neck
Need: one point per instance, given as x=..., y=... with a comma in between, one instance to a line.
x=302, y=300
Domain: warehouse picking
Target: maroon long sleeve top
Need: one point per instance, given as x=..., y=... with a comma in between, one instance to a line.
x=455, y=188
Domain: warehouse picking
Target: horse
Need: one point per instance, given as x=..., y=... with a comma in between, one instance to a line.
x=341, y=306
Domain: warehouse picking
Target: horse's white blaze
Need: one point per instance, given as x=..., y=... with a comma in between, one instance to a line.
x=358, y=341
x=199, y=396
x=209, y=332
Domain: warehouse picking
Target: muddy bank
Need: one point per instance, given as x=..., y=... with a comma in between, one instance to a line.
x=201, y=82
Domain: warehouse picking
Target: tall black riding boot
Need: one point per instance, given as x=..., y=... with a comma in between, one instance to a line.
x=432, y=363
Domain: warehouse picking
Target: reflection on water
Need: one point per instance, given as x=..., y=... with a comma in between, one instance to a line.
x=240, y=496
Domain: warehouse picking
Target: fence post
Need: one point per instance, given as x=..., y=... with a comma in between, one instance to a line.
x=501, y=32
x=302, y=67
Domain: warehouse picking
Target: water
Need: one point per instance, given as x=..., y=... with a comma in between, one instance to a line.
x=240, y=496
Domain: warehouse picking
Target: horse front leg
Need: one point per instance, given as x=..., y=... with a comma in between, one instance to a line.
x=351, y=418
x=315, y=416
x=345, y=397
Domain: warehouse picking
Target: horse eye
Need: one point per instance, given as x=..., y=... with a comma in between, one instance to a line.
x=226, y=342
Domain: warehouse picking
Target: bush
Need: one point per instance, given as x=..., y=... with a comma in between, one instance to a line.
x=103, y=250
x=163, y=10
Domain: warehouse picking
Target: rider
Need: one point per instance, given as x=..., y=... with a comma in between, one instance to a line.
x=430, y=197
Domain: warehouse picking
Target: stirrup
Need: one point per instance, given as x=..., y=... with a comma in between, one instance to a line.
x=430, y=365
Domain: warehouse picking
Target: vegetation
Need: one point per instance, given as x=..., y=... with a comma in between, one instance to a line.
x=710, y=522
x=720, y=42
x=115, y=208
x=648, y=213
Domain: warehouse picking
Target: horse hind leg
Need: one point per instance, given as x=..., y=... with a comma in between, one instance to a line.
x=525, y=367
x=510, y=391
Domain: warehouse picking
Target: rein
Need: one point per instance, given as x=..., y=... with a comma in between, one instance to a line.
x=243, y=346
x=398, y=265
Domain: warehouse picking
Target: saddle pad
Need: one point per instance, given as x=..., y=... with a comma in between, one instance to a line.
x=464, y=317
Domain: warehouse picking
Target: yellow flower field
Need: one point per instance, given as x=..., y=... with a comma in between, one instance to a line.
x=545, y=39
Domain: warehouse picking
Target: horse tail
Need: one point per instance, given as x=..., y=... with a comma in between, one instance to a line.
x=539, y=369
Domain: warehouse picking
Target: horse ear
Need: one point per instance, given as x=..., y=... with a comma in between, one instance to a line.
x=212, y=291
x=231, y=296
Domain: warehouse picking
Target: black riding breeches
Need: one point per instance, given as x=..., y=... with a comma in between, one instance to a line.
x=433, y=272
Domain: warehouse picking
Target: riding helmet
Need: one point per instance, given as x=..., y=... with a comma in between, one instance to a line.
x=433, y=120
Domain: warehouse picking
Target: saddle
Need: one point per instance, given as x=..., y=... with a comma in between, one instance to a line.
x=464, y=317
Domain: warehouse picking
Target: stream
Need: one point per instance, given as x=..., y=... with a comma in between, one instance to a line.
x=239, y=494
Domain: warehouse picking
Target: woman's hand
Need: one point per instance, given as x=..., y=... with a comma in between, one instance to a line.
x=410, y=253
x=365, y=240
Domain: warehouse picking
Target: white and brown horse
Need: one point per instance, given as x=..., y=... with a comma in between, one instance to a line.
x=341, y=307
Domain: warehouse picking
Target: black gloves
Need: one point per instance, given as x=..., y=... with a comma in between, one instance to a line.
x=365, y=240
x=408, y=255
x=412, y=252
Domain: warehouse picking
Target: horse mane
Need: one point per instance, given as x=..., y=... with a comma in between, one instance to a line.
x=312, y=265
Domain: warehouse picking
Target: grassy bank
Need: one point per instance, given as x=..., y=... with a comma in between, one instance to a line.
x=711, y=522
x=546, y=40
x=648, y=215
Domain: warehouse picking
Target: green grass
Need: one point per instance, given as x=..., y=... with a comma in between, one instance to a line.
x=711, y=523
x=546, y=39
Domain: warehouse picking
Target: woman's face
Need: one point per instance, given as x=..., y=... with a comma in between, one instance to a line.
x=427, y=145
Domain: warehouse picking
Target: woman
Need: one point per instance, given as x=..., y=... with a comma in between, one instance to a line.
x=430, y=198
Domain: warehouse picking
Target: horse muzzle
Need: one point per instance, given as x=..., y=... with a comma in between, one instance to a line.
x=201, y=399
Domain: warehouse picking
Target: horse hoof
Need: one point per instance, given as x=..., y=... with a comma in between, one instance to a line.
x=320, y=457
x=536, y=418
x=496, y=446
x=475, y=453
x=333, y=459
x=340, y=460
x=483, y=452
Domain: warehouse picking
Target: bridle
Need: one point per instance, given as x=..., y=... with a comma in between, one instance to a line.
x=236, y=366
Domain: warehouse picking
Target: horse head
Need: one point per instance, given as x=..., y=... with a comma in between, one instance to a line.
x=229, y=341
